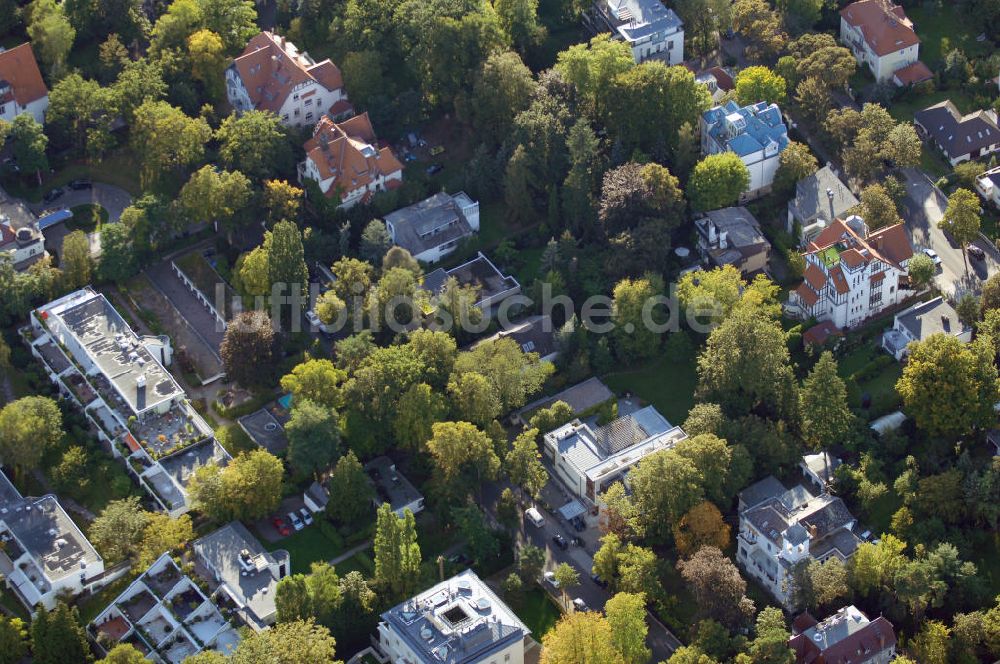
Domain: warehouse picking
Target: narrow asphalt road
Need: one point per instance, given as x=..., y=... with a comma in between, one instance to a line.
x=922, y=209
x=111, y=198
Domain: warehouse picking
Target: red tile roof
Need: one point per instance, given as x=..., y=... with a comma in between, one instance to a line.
x=271, y=67
x=723, y=78
x=815, y=277
x=816, y=336
x=807, y=295
x=852, y=258
x=888, y=244
x=876, y=636
x=19, y=68
x=884, y=31
x=131, y=442
x=839, y=281
x=345, y=151
x=913, y=73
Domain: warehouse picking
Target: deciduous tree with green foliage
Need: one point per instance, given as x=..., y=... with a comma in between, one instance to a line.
x=351, y=492
x=248, y=488
x=950, y=387
x=254, y=143
x=75, y=260
x=397, y=554
x=718, y=588
x=770, y=645
x=523, y=464
x=665, y=485
x=626, y=613
x=317, y=380
x=51, y=34
x=167, y=141
x=13, y=640
x=757, y=84
x=961, y=219
x=463, y=456
x=118, y=254
x=163, y=534
x=247, y=348
x=634, y=335
x=823, y=411
x=28, y=427
x=313, y=437
x=582, y=637
x=717, y=181
x=30, y=143
x=795, y=163
x=118, y=530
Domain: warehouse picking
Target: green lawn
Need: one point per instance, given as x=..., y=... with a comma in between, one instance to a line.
x=309, y=545
x=118, y=169
x=361, y=562
x=537, y=611
x=665, y=382
x=13, y=604
x=902, y=109
x=943, y=27
x=881, y=387
x=87, y=218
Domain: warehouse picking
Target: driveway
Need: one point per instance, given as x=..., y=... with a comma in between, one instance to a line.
x=922, y=209
x=111, y=198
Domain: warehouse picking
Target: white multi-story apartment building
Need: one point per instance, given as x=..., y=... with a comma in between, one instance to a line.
x=273, y=75
x=589, y=460
x=756, y=133
x=345, y=161
x=846, y=636
x=22, y=89
x=851, y=274
x=119, y=381
x=458, y=621
x=780, y=528
x=882, y=38
x=43, y=554
x=652, y=31
x=166, y=616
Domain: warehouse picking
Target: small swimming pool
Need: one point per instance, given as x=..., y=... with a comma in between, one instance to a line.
x=285, y=401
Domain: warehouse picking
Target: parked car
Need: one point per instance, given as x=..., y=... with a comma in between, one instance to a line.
x=577, y=541
x=580, y=605
x=560, y=541
x=976, y=252
x=550, y=578
x=933, y=255
x=436, y=150
x=296, y=522
x=280, y=525
x=534, y=517
x=599, y=581
x=459, y=559
x=579, y=525
x=434, y=169
x=53, y=194
x=307, y=517
x=80, y=184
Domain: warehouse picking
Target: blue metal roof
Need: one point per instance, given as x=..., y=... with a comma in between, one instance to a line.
x=763, y=125
x=54, y=218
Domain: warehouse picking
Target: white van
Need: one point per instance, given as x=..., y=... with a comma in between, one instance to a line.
x=535, y=517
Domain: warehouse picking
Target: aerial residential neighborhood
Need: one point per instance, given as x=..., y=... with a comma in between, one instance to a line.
x=500, y=332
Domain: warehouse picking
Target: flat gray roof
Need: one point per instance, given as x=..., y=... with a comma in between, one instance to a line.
x=430, y=222
x=265, y=430
x=44, y=531
x=111, y=344
x=220, y=551
x=182, y=465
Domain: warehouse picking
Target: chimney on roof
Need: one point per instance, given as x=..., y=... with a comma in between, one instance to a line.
x=812, y=530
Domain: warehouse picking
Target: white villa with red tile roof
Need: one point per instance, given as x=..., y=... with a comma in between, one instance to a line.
x=273, y=75
x=22, y=89
x=851, y=274
x=345, y=161
x=882, y=38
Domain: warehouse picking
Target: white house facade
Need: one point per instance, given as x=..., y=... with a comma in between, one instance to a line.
x=851, y=274
x=433, y=228
x=882, y=38
x=346, y=163
x=780, y=528
x=651, y=30
x=273, y=75
x=756, y=133
x=22, y=89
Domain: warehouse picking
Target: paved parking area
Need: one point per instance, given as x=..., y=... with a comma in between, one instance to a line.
x=111, y=198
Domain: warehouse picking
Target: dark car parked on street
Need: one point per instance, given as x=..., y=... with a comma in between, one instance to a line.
x=80, y=184
x=560, y=541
